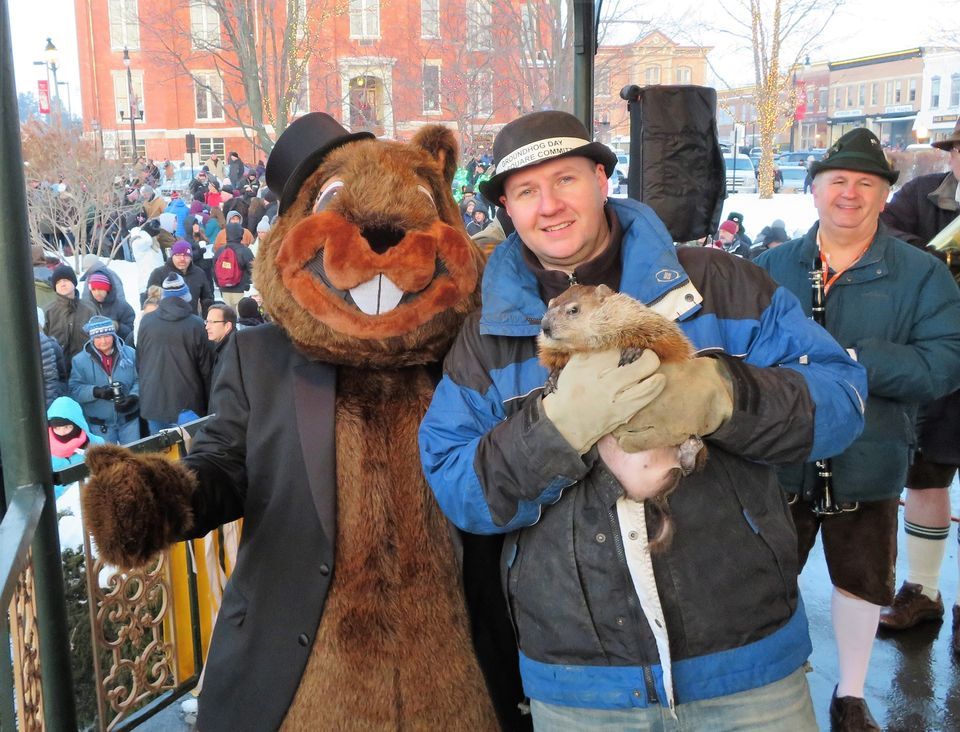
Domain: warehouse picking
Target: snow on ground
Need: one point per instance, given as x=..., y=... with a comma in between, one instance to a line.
x=795, y=209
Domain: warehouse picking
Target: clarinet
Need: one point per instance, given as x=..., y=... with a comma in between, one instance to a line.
x=823, y=503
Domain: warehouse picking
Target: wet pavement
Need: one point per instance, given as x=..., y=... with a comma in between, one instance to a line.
x=914, y=680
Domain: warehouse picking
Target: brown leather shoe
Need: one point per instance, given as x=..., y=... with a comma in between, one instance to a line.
x=956, y=630
x=910, y=607
x=851, y=714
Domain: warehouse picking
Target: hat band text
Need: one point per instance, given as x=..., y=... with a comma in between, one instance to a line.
x=534, y=152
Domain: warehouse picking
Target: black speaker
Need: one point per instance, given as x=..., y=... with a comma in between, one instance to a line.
x=676, y=165
x=191, y=140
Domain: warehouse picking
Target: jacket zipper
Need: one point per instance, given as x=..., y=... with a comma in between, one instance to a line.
x=651, y=687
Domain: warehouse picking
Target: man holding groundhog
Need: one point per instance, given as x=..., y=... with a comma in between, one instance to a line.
x=709, y=630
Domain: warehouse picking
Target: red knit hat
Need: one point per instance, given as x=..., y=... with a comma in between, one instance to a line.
x=730, y=227
x=99, y=281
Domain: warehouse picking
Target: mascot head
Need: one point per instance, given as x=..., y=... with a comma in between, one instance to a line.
x=368, y=264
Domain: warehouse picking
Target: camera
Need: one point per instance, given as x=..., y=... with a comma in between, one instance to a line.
x=116, y=389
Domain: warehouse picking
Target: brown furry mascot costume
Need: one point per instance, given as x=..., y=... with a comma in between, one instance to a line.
x=346, y=609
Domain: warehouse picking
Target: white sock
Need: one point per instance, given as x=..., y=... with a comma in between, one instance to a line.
x=926, y=547
x=855, y=624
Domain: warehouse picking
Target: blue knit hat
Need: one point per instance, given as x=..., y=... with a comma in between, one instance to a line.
x=99, y=325
x=174, y=286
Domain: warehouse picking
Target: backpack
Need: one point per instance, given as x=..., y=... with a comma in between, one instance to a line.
x=226, y=270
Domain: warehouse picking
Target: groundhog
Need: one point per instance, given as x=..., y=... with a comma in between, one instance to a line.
x=588, y=318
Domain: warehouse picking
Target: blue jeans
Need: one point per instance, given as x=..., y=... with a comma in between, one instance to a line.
x=155, y=426
x=783, y=706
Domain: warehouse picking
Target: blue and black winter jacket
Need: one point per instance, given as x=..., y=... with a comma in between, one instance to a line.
x=728, y=582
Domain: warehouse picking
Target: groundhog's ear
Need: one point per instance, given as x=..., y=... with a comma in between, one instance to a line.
x=603, y=291
x=439, y=142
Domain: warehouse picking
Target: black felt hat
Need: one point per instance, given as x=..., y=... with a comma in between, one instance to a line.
x=536, y=138
x=858, y=150
x=300, y=149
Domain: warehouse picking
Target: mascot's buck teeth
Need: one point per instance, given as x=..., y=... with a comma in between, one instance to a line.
x=376, y=296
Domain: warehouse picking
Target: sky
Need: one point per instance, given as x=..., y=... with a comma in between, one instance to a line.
x=859, y=28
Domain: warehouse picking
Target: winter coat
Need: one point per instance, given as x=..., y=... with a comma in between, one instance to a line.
x=87, y=372
x=244, y=261
x=221, y=239
x=175, y=362
x=66, y=408
x=154, y=207
x=179, y=209
x=922, y=208
x=212, y=229
x=54, y=369
x=235, y=170
x=65, y=318
x=917, y=213
x=898, y=309
x=496, y=465
x=201, y=293
x=165, y=240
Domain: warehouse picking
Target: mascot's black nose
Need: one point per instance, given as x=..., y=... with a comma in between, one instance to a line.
x=382, y=238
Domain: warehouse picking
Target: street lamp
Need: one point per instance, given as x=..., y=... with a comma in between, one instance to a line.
x=50, y=51
x=132, y=102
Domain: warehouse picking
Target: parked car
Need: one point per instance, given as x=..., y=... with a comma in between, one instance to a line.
x=793, y=176
x=623, y=163
x=741, y=177
x=799, y=157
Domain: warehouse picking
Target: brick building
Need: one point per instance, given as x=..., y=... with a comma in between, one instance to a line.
x=389, y=67
x=653, y=59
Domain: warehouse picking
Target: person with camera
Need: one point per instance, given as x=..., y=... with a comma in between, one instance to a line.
x=103, y=379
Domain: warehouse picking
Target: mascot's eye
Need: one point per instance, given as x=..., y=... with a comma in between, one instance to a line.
x=327, y=195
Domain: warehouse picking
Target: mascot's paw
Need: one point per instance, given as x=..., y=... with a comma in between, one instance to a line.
x=135, y=505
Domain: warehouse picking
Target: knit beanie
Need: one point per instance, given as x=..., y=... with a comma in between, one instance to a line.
x=146, y=191
x=263, y=226
x=181, y=247
x=89, y=261
x=729, y=226
x=63, y=272
x=234, y=214
x=234, y=233
x=168, y=222
x=174, y=286
x=99, y=325
x=99, y=281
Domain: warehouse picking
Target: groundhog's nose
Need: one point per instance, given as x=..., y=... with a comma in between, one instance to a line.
x=545, y=327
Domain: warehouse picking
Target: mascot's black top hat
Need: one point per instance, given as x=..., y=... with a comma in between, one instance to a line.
x=299, y=151
x=536, y=138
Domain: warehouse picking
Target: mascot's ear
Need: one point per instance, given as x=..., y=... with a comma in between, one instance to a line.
x=439, y=143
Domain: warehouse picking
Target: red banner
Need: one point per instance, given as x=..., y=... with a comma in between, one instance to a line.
x=43, y=96
x=800, y=100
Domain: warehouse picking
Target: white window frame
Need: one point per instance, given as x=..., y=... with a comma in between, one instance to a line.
x=480, y=25
x=683, y=75
x=430, y=19
x=121, y=95
x=954, y=90
x=209, y=145
x=934, y=92
x=432, y=64
x=124, y=23
x=202, y=80
x=651, y=75
x=365, y=19
x=204, y=26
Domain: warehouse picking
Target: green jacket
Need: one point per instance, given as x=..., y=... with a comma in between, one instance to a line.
x=898, y=308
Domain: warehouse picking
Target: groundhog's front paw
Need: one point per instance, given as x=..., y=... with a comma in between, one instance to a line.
x=135, y=505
